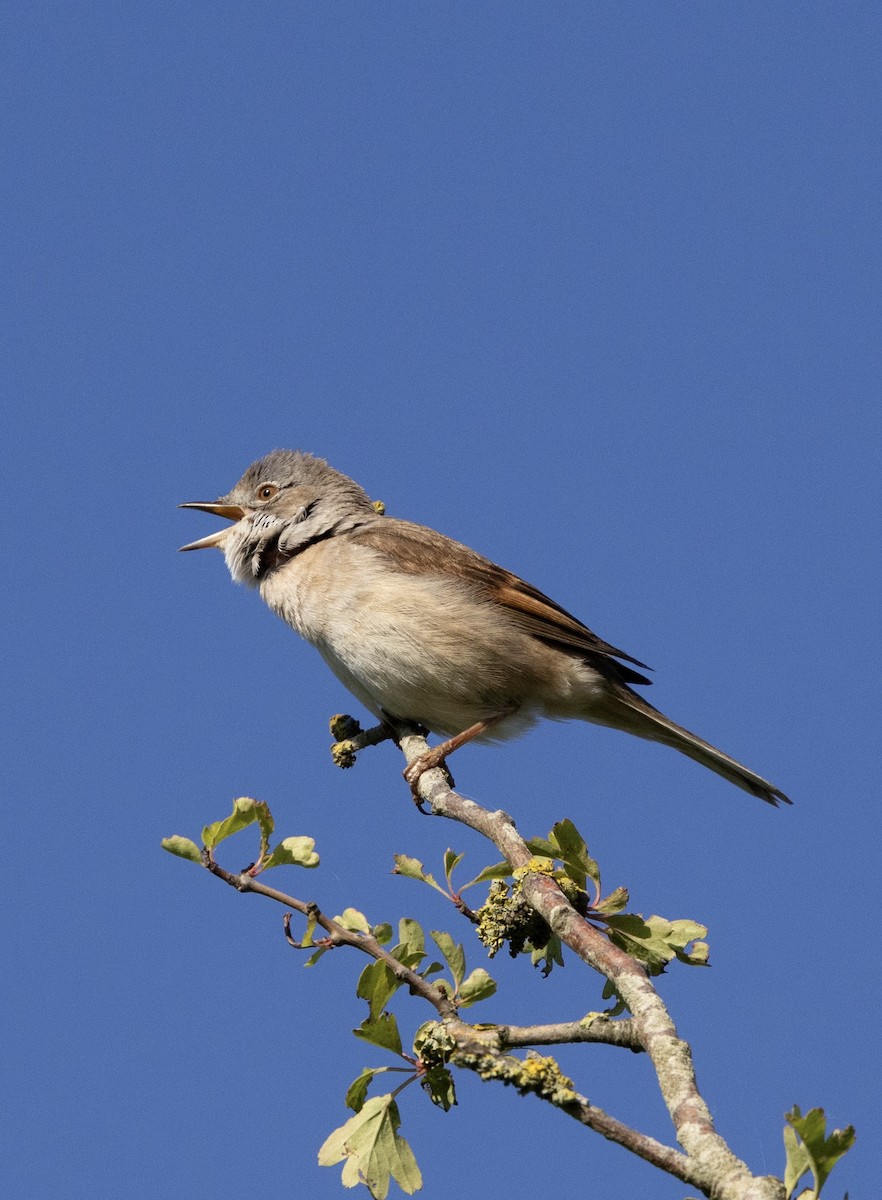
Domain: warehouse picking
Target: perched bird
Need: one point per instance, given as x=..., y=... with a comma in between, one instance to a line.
x=422, y=628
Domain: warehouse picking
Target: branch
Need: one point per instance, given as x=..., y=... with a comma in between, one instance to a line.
x=482, y=1049
x=715, y=1169
x=601, y=1030
x=339, y=935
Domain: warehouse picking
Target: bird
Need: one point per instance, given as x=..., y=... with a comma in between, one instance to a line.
x=421, y=628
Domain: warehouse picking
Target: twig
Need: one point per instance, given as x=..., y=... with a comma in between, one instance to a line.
x=482, y=1049
x=339, y=935
x=601, y=1030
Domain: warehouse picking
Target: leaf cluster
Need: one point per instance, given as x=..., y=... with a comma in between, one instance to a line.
x=506, y=918
x=369, y=1143
x=291, y=851
x=809, y=1149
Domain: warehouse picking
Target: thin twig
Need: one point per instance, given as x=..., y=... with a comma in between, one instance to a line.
x=477, y=1047
x=339, y=935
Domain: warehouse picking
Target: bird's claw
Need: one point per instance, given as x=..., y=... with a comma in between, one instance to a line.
x=414, y=771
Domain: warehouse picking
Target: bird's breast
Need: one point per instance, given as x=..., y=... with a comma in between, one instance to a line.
x=420, y=646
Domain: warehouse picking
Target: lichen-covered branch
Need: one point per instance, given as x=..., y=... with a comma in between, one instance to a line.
x=482, y=1049
x=714, y=1168
x=601, y=1030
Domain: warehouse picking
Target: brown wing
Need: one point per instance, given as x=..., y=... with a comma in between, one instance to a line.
x=416, y=550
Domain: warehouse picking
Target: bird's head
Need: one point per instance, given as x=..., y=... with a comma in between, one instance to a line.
x=283, y=503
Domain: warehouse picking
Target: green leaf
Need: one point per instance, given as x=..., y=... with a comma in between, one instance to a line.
x=438, y=1082
x=797, y=1160
x=245, y=812
x=540, y=845
x=478, y=986
x=373, y=1150
x=451, y=862
x=411, y=936
x=293, y=852
x=681, y=933
x=412, y=868
x=697, y=956
x=266, y=823
x=353, y=920
x=383, y=933
x=610, y=991
x=381, y=1031
x=614, y=902
x=454, y=954
x=357, y=1092
x=497, y=871
x=313, y=958
x=655, y=941
x=311, y=924
x=183, y=848
x=377, y=985
x=573, y=853
x=638, y=938
x=411, y=948
x=549, y=953
x=812, y=1151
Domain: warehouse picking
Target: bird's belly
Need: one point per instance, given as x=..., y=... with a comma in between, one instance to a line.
x=424, y=648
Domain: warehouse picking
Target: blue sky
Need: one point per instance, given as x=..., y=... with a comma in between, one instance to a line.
x=593, y=288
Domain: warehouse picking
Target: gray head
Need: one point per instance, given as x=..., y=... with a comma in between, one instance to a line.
x=283, y=504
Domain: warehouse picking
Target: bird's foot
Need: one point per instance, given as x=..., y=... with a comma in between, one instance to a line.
x=414, y=771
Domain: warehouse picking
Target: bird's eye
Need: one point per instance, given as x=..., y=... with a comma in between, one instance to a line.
x=266, y=491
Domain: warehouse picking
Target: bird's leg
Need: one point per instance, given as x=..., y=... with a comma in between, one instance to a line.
x=436, y=757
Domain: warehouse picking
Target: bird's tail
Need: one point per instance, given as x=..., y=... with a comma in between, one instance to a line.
x=624, y=709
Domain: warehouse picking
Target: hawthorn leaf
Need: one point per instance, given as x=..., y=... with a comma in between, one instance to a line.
x=573, y=853
x=453, y=953
x=411, y=948
x=812, y=1150
x=697, y=956
x=381, y=1031
x=377, y=985
x=538, y=845
x=183, y=848
x=267, y=825
x=412, y=868
x=497, y=871
x=293, y=852
x=353, y=920
x=313, y=958
x=411, y=936
x=311, y=924
x=549, y=953
x=451, y=862
x=656, y=941
x=479, y=986
x=245, y=812
x=438, y=1083
x=357, y=1092
x=614, y=902
x=373, y=1151
x=609, y=991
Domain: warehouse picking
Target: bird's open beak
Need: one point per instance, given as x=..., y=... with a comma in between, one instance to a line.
x=232, y=512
